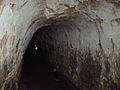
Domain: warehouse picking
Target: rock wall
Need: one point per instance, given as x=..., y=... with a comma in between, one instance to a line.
x=96, y=27
x=83, y=52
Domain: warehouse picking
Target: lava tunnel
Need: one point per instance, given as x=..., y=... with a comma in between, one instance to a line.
x=69, y=54
x=38, y=72
x=76, y=44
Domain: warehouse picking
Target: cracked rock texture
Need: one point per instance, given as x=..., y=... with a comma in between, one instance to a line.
x=90, y=55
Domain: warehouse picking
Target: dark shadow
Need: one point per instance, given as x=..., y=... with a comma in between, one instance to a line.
x=37, y=73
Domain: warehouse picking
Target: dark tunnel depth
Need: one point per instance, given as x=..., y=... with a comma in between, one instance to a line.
x=37, y=73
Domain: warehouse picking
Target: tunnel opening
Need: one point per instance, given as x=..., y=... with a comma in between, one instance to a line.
x=38, y=73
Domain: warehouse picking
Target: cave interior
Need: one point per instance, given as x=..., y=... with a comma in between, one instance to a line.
x=37, y=72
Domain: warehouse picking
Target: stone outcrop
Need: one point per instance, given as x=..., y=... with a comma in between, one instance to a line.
x=90, y=58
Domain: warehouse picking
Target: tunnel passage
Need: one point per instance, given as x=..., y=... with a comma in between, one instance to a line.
x=76, y=49
x=37, y=71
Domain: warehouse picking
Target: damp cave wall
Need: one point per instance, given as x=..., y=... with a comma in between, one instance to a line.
x=89, y=58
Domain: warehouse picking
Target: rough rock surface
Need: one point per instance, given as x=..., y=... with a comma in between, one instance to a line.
x=91, y=56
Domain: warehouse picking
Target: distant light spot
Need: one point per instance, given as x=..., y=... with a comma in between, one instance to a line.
x=36, y=48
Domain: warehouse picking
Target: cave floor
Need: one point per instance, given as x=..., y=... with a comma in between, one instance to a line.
x=38, y=75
